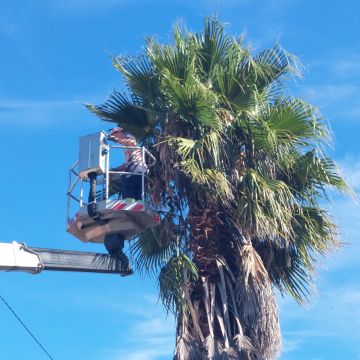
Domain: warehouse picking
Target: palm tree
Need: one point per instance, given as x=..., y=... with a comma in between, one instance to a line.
x=240, y=170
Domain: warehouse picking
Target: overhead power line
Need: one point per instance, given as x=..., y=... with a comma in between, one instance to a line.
x=26, y=328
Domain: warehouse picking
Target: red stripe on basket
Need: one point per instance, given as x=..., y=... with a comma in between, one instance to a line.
x=119, y=206
x=137, y=207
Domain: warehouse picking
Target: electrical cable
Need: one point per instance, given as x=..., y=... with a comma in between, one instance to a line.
x=26, y=328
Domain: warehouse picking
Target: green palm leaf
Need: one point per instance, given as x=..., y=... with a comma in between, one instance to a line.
x=129, y=114
x=212, y=47
x=153, y=248
x=265, y=205
x=140, y=77
x=176, y=273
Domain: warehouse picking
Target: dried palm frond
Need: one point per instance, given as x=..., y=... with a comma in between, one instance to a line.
x=257, y=303
x=187, y=348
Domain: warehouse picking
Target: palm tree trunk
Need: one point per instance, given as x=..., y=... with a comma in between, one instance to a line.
x=232, y=306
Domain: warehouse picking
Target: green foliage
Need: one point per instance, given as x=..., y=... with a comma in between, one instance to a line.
x=153, y=248
x=129, y=113
x=177, y=273
x=140, y=77
x=227, y=138
x=264, y=207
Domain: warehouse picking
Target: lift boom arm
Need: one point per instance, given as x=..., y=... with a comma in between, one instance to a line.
x=19, y=257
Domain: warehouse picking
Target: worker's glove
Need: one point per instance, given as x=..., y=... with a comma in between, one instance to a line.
x=114, y=131
x=111, y=138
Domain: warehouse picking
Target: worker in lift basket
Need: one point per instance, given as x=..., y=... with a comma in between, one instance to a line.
x=131, y=186
x=131, y=183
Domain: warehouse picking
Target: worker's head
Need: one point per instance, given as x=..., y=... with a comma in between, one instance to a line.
x=119, y=131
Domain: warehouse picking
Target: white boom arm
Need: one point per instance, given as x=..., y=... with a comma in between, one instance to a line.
x=19, y=257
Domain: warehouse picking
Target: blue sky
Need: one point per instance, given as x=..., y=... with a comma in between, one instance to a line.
x=54, y=56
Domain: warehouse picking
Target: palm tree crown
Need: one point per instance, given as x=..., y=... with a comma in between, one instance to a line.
x=240, y=171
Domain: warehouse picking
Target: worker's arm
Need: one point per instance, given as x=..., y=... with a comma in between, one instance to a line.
x=120, y=137
x=122, y=167
x=126, y=142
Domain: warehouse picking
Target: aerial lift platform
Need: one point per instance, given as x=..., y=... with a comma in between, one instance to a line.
x=102, y=215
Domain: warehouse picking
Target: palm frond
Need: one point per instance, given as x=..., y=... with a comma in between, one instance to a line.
x=290, y=262
x=172, y=281
x=206, y=150
x=242, y=78
x=275, y=62
x=131, y=115
x=213, y=180
x=192, y=100
x=212, y=47
x=296, y=120
x=141, y=78
x=315, y=233
x=286, y=269
x=227, y=79
x=287, y=126
x=187, y=348
x=178, y=61
x=245, y=348
x=265, y=205
x=153, y=248
x=309, y=176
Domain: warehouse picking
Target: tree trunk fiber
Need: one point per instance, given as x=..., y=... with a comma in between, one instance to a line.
x=231, y=306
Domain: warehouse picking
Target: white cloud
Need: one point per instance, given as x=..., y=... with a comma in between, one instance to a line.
x=86, y=7
x=41, y=114
x=347, y=216
x=338, y=89
x=339, y=62
x=330, y=93
x=147, y=354
x=350, y=167
x=338, y=99
x=353, y=112
x=157, y=334
x=334, y=314
x=349, y=66
x=151, y=335
x=19, y=104
x=290, y=345
x=148, y=351
x=154, y=326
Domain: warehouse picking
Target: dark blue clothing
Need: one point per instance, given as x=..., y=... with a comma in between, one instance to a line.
x=132, y=187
